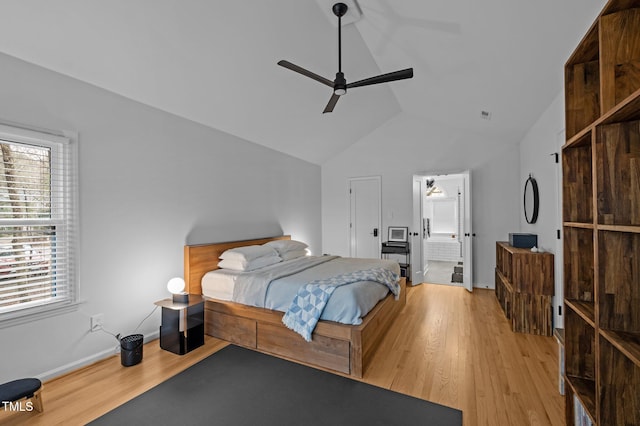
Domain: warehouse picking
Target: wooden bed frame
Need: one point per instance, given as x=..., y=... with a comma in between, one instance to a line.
x=337, y=347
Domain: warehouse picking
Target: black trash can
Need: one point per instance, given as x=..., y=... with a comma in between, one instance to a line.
x=131, y=349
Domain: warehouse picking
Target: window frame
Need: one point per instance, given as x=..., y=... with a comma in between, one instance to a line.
x=66, y=157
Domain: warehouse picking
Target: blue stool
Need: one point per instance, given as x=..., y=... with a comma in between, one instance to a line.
x=22, y=388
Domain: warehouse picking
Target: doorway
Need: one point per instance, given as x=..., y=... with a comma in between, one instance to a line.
x=364, y=217
x=442, y=247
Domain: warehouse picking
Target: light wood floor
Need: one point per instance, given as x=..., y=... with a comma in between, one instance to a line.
x=448, y=346
x=457, y=349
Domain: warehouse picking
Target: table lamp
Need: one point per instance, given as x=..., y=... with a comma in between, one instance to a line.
x=176, y=287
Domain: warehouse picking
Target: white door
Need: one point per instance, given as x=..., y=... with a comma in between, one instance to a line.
x=364, y=217
x=417, y=271
x=467, y=272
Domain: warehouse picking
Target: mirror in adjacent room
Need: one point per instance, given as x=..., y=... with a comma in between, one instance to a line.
x=531, y=200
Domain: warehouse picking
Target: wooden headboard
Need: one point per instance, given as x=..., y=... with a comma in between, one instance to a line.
x=202, y=258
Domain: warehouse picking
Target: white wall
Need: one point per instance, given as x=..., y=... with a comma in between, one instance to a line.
x=404, y=146
x=149, y=183
x=546, y=136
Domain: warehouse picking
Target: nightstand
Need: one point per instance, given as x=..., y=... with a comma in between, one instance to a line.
x=402, y=249
x=182, y=328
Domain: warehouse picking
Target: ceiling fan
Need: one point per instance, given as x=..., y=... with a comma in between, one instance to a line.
x=340, y=85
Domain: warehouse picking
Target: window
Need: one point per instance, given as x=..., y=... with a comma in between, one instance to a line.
x=37, y=222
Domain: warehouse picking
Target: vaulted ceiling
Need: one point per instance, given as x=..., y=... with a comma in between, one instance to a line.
x=214, y=62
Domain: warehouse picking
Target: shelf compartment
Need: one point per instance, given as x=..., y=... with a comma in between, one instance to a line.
x=619, y=263
x=585, y=309
x=617, y=6
x=580, y=347
x=619, y=387
x=504, y=294
x=627, y=343
x=627, y=110
x=580, y=139
x=619, y=56
x=618, y=170
x=504, y=261
x=578, y=264
x=577, y=183
x=585, y=390
x=582, y=84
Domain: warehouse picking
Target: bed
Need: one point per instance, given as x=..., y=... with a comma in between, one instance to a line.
x=342, y=348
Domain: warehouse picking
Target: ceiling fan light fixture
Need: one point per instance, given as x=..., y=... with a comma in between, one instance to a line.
x=340, y=84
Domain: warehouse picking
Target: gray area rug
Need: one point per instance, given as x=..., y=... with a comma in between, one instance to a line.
x=237, y=386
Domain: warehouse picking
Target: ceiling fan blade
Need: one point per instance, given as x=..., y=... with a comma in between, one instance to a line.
x=332, y=103
x=296, y=68
x=383, y=78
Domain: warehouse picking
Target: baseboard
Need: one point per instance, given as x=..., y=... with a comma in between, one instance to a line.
x=83, y=362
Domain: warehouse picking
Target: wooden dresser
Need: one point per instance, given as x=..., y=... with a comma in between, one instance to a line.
x=524, y=288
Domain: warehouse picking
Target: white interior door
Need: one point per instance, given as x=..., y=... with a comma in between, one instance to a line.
x=467, y=272
x=417, y=271
x=365, y=217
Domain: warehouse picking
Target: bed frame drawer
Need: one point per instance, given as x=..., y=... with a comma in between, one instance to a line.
x=322, y=351
x=238, y=330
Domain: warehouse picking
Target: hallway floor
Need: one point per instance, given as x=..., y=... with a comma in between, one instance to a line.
x=440, y=272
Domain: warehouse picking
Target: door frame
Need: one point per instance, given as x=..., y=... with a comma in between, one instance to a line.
x=467, y=231
x=351, y=228
x=558, y=316
x=418, y=267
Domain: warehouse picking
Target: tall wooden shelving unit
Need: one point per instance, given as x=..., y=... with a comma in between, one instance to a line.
x=601, y=214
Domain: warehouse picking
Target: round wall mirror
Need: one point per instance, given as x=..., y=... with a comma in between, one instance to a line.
x=531, y=200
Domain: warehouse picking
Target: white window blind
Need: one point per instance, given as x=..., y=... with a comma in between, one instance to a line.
x=37, y=181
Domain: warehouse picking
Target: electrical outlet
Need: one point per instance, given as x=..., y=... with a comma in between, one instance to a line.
x=96, y=322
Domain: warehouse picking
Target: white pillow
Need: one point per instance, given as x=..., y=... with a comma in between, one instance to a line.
x=283, y=246
x=247, y=253
x=244, y=266
x=293, y=254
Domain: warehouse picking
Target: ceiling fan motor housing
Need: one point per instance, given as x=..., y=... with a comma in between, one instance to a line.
x=340, y=84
